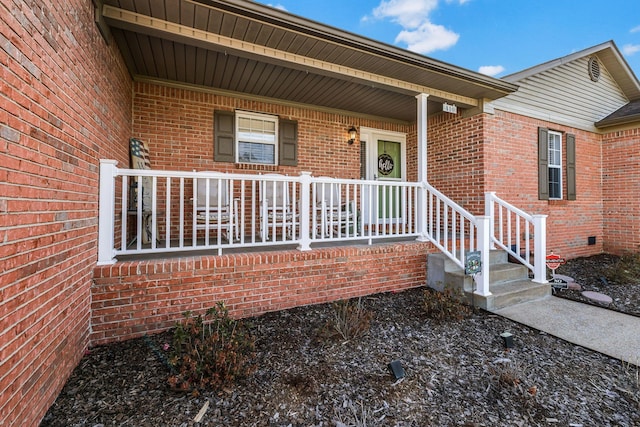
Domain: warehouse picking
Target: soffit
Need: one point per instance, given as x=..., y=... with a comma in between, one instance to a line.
x=244, y=47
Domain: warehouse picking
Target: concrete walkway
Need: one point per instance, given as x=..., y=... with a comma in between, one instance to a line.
x=605, y=331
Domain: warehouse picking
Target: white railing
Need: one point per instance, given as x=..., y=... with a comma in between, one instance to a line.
x=189, y=211
x=456, y=232
x=519, y=233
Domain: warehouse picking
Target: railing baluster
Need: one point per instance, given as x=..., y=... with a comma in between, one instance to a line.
x=181, y=214
x=125, y=211
x=167, y=216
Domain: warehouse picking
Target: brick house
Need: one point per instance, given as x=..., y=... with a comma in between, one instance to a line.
x=80, y=79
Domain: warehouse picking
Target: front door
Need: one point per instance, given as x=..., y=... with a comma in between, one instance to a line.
x=386, y=161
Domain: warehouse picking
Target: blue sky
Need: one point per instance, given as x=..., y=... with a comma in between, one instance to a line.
x=495, y=37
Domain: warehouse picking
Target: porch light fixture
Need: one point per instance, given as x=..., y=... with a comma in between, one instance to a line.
x=353, y=133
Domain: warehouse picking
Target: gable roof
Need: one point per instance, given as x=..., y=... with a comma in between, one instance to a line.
x=563, y=91
x=611, y=58
x=247, y=48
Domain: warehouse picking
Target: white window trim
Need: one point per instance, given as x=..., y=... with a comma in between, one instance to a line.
x=554, y=166
x=265, y=117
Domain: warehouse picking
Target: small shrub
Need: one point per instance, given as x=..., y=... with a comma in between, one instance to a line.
x=445, y=306
x=350, y=320
x=210, y=351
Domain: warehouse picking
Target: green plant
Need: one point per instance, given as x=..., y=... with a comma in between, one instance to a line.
x=445, y=306
x=349, y=320
x=210, y=351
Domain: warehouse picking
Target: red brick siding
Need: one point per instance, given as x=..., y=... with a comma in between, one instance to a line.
x=178, y=125
x=511, y=149
x=621, y=191
x=65, y=102
x=130, y=299
x=455, y=159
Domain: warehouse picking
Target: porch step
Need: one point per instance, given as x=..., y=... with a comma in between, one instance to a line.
x=511, y=293
x=509, y=282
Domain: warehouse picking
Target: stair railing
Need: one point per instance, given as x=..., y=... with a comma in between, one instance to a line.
x=456, y=232
x=521, y=235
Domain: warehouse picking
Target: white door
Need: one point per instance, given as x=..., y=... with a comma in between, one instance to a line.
x=386, y=161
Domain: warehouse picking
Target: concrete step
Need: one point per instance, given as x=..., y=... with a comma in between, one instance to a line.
x=498, y=273
x=510, y=293
x=442, y=271
x=442, y=261
x=509, y=282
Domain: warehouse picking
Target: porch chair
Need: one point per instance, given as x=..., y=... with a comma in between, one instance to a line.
x=219, y=211
x=334, y=216
x=275, y=209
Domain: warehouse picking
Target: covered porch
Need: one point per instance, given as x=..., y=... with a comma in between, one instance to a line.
x=158, y=261
x=306, y=214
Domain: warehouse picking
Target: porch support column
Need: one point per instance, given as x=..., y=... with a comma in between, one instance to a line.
x=106, y=212
x=422, y=167
x=304, y=243
x=482, y=280
x=540, y=248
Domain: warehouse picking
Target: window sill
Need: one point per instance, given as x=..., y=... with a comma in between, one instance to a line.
x=256, y=167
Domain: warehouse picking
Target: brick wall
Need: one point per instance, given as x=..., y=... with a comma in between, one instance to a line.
x=177, y=123
x=65, y=102
x=456, y=159
x=130, y=299
x=511, y=149
x=621, y=191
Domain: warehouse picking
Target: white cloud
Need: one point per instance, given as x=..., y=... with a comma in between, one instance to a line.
x=428, y=38
x=419, y=33
x=630, y=49
x=408, y=13
x=491, y=70
x=635, y=29
x=277, y=6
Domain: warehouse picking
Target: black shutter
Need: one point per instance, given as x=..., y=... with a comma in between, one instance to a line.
x=288, y=143
x=543, y=164
x=223, y=136
x=571, y=167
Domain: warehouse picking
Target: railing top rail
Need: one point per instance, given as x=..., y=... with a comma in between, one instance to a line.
x=462, y=211
x=206, y=174
x=256, y=177
x=509, y=206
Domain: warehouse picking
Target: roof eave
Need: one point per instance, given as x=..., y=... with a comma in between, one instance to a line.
x=316, y=29
x=619, y=121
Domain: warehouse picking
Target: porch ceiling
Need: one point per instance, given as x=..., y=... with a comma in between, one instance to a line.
x=244, y=47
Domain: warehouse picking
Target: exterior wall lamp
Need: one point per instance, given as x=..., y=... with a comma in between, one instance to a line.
x=353, y=133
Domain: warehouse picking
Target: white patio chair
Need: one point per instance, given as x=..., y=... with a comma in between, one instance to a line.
x=219, y=210
x=276, y=210
x=334, y=215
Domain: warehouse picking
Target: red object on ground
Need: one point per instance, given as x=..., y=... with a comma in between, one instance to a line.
x=554, y=261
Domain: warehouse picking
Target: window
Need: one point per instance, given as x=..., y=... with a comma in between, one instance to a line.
x=553, y=180
x=256, y=136
x=554, y=142
x=245, y=137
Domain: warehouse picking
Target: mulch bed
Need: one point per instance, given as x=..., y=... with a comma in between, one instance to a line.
x=457, y=374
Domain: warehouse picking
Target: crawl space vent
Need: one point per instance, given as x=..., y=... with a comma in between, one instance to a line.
x=594, y=69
